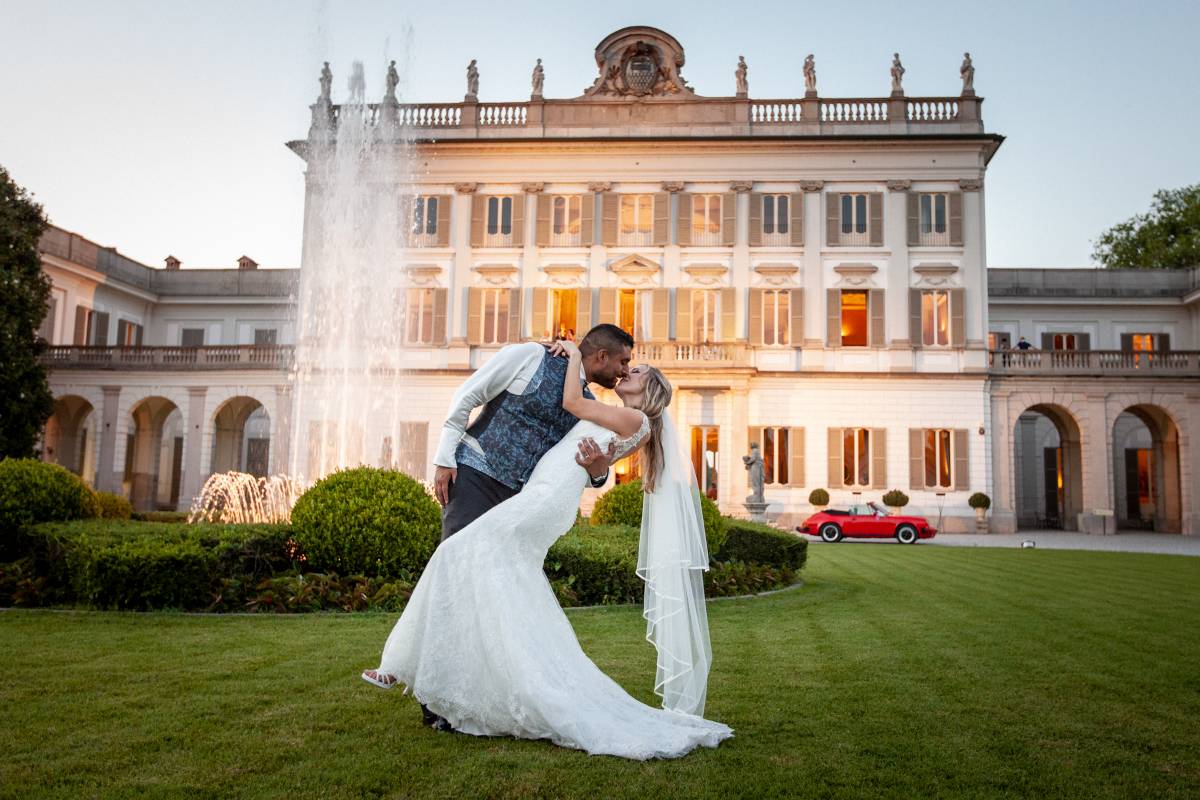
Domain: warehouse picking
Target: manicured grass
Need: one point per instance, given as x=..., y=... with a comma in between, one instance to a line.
x=894, y=672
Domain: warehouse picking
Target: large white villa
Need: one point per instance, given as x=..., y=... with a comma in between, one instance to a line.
x=811, y=273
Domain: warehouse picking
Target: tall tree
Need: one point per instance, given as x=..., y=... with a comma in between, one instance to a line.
x=25, y=400
x=1166, y=238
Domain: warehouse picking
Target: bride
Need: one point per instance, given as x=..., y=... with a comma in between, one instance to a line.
x=484, y=643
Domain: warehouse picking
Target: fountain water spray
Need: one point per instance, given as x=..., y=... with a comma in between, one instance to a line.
x=233, y=497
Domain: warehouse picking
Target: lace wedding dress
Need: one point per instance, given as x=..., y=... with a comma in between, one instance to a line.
x=484, y=643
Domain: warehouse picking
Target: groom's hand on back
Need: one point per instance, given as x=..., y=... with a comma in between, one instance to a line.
x=592, y=458
x=442, y=478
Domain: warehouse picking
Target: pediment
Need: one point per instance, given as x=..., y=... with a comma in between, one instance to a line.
x=856, y=274
x=565, y=274
x=497, y=274
x=635, y=270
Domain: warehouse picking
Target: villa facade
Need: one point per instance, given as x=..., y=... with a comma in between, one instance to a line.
x=810, y=273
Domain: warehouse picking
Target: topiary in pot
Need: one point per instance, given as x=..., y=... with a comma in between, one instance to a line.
x=818, y=498
x=979, y=501
x=367, y=521
x=33, y=491
x=895, y=499
x=622, y=505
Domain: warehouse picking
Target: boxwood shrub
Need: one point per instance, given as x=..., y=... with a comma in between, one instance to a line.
x=113, y=506
x=367, y=521
x=33, y=491
x=755, y=543
x=622, y=505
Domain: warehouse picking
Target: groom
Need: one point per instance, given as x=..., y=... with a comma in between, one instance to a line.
x=520, y=388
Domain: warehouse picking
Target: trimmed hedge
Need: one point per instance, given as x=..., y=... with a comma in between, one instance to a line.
x=755, y=543
x=33, y=491
x=367, y=521
x=113, y=506
x=622, y=505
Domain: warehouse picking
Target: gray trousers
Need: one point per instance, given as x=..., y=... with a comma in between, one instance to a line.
x=472, y=494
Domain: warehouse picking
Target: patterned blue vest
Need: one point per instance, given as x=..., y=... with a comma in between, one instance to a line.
x=515, y=431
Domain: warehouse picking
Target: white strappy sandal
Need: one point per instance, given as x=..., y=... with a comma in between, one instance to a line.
x=377, y=678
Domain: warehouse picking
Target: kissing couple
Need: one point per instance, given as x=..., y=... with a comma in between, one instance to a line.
x=483, y=644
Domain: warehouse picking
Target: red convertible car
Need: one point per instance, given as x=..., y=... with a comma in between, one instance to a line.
x=867, y=521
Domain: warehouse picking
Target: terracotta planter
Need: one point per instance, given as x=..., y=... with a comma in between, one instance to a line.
x=981, y=522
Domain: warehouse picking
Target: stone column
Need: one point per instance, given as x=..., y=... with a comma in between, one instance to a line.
x=740, y=276
x=1096, y=455
x=1003, y=490
x=193, y=446
x=896, y=282
x=281, y=436
x=108, y=479
x=530, y=254
x=813, y=277
x=974, y=266
x=1189, y=466
x=459, y=279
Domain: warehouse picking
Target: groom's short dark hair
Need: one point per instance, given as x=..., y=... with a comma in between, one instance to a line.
x=605, y=337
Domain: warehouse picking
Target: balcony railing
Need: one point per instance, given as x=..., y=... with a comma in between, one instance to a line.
x=233, y=356
x=1164, y=363
x=679, y=354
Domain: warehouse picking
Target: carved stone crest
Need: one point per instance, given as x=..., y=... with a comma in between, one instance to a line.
x=639, y=62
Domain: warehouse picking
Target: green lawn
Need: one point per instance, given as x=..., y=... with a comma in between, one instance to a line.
x=894, y=672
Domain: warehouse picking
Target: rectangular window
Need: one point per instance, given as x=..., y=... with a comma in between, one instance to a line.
x=776, y=315
x=565, y=220
x=636, y=220
x=1065, y=341
x=266, y=337
x=129, y=334
x=938, y=458
x=775, y=448
x=633, y=312
x=419, y=317
x=854, y=318
x=564, y=310
x=856, y=457
x=499, y=222
x=935, y=317
x=776, y=219
x=705, y=459
x=706, y=315
x=425, y=220
x=933, y=228
x=1143, y=345
x=854, y=220
x=494, y=316
x=706, y=219
x=192, y=337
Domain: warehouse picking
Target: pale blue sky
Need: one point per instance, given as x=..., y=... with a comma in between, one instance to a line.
x=158, y=127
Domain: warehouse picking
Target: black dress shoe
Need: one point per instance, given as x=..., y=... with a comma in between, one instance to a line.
x=427, y=716
x=443, y=725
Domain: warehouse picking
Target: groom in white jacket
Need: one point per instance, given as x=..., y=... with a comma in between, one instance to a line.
x=481, y=465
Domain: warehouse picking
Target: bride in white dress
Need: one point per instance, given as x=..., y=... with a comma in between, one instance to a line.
x=483, y=641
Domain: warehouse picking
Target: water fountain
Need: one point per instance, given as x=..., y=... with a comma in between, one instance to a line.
x=234, y=497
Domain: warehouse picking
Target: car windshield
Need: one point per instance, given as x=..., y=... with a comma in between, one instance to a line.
x=878, y=509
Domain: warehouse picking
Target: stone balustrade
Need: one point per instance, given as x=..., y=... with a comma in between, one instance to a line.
x=1143, y=364
x=667, y=355
x=209, y=357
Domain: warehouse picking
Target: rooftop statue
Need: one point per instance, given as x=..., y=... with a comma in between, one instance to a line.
x=539, y=76
x=743, y=85
x=810, y=75
x=326, y=83
x=897, y=74
x=967, y=72
x=472, y=80
x=393, y=80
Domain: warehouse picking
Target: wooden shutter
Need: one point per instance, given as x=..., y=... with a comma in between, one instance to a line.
x=729, y=219
x=755, y=232
x=729, y=332
x=916, y=335
x=440, y=333
x=514, y=315
x=1048, y=341
x=916, y=458
x=478, y=218
x=100, y=328
x=875, y=217
x=833, y=219
x=1162, y=341
x=878, y=458
x=587, y=220
x=137, y=333
x=912, y=204
x=962, y=477
x=958, y=318
x=80, y=335
x=583, y=312
x=796, y=222
x=122, y=326
x=833, y=314
x=610, y=211
x=662, y=219
x=796, y=457
x=1126, y=338
x=1083, y=340
x=755, y=313
x=660, y=314
x=444, y=203
x=954, y=201
x=545, y=203
x=685, y=219
x=609, y=312
x=875, y=309
x=538, y=320
x=518, y=220
x=683, y=315
x=796, y=328
x=834, y=457
x=474, y=316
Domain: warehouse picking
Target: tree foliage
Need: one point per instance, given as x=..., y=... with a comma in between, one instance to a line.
x=1168, y=237
x=26, y=402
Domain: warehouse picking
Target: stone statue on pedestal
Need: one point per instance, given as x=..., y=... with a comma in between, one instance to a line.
x=539, y=76
x=897, y=74
x=393, y=80
x=755, y=503
x=326, y=83
x=810, y=75
x=743, y=85
x=472, y=81
x=967, y=73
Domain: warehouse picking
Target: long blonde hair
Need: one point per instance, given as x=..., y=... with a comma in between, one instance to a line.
x=656, y=397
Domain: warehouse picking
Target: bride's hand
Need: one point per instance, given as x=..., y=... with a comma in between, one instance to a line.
x=562, y=347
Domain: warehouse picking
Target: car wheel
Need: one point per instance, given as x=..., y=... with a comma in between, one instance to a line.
x=906, y=534
x=831, y=533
